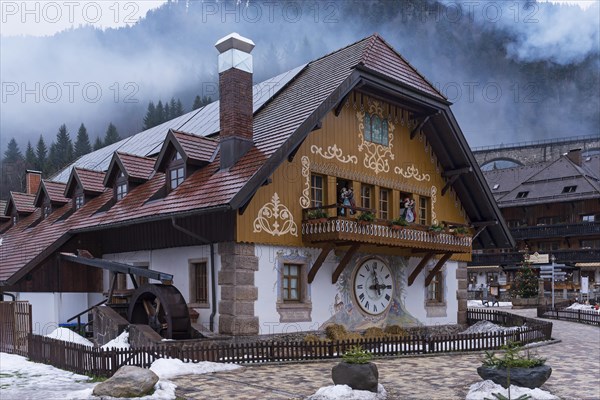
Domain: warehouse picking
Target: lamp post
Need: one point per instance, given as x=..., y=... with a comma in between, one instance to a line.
x=552, y=258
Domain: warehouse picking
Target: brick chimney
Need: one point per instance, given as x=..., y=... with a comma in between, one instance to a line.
x=575, y=156
x=33, y=179
x=235, y=97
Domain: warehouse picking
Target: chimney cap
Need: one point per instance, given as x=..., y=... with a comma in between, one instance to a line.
x=234, y=41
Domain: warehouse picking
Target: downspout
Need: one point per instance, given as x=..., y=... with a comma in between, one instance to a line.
x=213, y=280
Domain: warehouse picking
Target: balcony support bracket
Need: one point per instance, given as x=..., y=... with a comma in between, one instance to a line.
x=419, y=268
x=345, y=260
x=437, y=267
x=319, y=261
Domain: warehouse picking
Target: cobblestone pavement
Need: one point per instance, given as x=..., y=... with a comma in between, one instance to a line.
x=575, y=362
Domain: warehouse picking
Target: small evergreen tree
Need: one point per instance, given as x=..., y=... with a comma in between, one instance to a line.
x=112, y=136
x=179, y=111
x=150, y=118
x=525, y=284
x=13, y=153
x=30, y=159
x=197, y=103
x=41, y=155
x=168, y=112
x=160, y=113
x=98, y=144
x=82, y=144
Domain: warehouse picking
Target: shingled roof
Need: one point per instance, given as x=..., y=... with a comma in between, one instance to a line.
x=282, y=120
x=135, y=168
x=92, y=182
x=52, y=190
x=546, y=182
x=21, y=202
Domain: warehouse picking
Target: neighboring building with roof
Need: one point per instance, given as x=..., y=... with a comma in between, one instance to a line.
x=225, y=199
x=552, y=208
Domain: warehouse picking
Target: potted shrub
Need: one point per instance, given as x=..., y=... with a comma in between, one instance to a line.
x=515, y=368
x=366, y=217
x=317, y=215
x=460, y=231
x=356, y=370
x=436, y=228
x=398, y=223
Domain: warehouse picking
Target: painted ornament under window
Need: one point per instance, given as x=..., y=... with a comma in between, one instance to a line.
x=275, y=219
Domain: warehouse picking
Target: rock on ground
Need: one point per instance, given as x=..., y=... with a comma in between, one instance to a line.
x=357, y=376
x=128, y=381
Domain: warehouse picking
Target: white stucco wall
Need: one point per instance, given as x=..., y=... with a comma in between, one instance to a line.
x=51, y=309
x=174, y=261
x=416, y=294
x=321, y=291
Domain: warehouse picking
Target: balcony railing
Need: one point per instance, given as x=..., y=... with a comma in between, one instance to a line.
x=557, y=230
x=562, y=257
x=340, y=229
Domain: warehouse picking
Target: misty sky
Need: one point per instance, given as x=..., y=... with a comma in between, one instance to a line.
x=95, y=77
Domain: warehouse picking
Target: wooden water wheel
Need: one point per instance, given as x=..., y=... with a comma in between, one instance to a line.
x=163, y=308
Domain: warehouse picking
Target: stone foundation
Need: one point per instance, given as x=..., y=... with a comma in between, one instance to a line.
x=461, y=293
x=108, y=324
x=238, y=292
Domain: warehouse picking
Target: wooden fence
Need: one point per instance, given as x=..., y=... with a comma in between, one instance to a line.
x=590, y=317
x=105, y=362
x=15, y=326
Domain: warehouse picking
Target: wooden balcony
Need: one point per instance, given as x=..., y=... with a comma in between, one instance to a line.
x=352, y=231
x=565, y=256
x=556, y=230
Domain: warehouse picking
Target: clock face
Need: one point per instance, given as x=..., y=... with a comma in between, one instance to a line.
x=373, y=286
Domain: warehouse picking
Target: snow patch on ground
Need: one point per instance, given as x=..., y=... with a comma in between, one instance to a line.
x=578, y=306
x=167, y=368
x=479, y=304
x=68, y=335
x=120, y=342
x=345, y=392
x=484, y=389
x=487, y=326
x=25, y=380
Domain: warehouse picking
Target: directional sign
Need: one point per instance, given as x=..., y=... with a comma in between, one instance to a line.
x=545, y=268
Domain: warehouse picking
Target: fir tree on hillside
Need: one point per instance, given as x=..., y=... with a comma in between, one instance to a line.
x=30, y=159
x=150, y=118
x=201, y=102
x=61, y=151
x=160, y=113
x=82, y=144
x=41, y=155
x=98, y=144
x=12, y=153
x=112, y=136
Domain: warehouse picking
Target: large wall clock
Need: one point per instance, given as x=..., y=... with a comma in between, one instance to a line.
x=373, y=286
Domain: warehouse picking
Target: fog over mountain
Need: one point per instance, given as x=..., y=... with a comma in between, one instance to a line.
x=515, y=71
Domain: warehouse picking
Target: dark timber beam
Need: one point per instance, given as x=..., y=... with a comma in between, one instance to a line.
x=437, y=267
x=414, y=132
x=347, y=257
x=419, y=268
x=319, y=261
x=340, y=106
x=450, y=182
x=455, y=172
x=118, y=267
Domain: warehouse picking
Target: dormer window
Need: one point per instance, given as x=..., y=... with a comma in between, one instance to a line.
x=522, y=195
x=176, y=171
x=376, y=129
x=79, y=201
x=47, y=211
x=121, y=190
